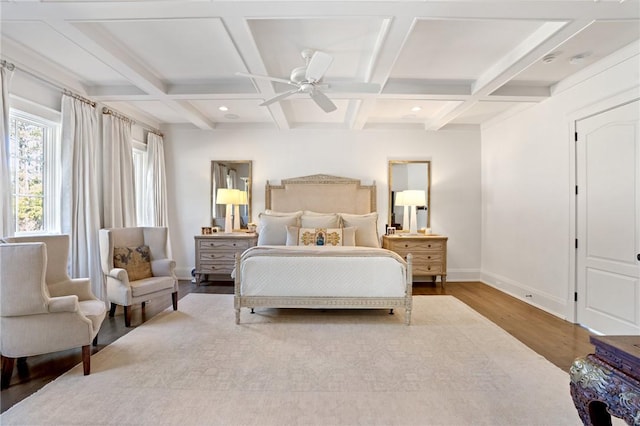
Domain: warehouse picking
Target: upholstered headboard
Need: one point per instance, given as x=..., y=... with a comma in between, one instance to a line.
x=321, y=193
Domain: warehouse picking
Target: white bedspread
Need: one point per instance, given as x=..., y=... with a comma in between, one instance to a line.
x=322, y=271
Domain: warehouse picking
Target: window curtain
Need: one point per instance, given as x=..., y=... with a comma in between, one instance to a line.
x=80, y=209
x=118, y=190
x=155, y=202
x=7, y=226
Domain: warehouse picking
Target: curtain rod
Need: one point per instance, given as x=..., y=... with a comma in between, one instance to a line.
x=78, y=97
x=68, y=92
x=63, y=89
x=7, y=65
x=106, y=110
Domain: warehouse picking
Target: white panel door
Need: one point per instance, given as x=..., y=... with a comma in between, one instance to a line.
x=608, y=220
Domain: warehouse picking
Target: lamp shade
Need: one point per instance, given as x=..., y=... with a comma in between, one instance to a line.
x=414, y=197
x=242, y=198
x=227, y=196
x=400, y=199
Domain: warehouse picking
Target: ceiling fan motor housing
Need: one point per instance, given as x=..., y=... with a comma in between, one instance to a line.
x=298, y=75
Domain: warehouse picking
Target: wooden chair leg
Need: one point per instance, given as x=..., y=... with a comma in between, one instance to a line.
x=7, y=370
x=174, y=300
x=127, y=316
x=86, y=359
x=112, y=310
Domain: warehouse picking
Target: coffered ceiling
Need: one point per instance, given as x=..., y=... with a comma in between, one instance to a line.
x=429, y=64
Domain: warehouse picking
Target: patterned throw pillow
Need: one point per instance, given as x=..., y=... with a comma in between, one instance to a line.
x=135, y=260
x=320, y=237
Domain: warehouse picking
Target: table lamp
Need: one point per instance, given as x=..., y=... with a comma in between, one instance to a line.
x=229, y=197
x=414, y=198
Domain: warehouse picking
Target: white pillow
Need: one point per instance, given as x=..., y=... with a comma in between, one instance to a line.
x=272, y=230
x=330, y=220
x=366, y=228
x=294, y=232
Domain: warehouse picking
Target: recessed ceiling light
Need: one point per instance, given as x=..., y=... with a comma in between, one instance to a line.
x=578, y=59
x=223, y=108
x=416, y=109
x=232, y=116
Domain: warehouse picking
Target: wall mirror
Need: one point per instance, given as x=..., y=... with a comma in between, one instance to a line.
x=409, y=175
x=233, y=174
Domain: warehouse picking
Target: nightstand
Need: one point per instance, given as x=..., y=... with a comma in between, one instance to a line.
x=429, y=253
x=216, y=253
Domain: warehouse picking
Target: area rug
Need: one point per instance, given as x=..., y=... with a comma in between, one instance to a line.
x=195, y=366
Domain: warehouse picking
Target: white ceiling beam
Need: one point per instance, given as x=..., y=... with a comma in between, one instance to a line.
x=548, y=37
x=241, y=37
x=103, y=48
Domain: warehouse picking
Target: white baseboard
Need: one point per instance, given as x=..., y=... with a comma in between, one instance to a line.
x=548, y=303
x=183, y=273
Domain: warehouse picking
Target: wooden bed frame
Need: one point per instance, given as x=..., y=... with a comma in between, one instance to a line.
x=312, y=193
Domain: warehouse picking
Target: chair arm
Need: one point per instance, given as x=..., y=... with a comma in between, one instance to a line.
x=119, y=274
x=63, y=304
x=163, y=267
x=81, y=287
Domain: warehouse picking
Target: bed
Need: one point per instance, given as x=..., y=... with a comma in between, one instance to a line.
x=318, y=247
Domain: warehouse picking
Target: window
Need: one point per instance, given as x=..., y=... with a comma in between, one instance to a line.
x=34, y=172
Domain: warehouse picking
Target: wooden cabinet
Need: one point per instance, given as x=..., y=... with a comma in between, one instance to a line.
x=215, y=254
x=429, y=253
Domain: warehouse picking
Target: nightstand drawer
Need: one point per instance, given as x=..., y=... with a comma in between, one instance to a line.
x=216, y=268
x=421, y=257
x=416, y=246
x=217, y=256
x=427, y=269
x=224, y=245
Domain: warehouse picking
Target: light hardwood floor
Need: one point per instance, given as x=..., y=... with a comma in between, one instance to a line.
x=557, y=340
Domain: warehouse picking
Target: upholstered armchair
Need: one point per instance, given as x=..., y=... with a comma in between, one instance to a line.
x=135, y=264
x=42, y=310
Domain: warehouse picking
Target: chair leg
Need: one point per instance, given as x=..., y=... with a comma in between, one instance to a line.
x=174, y=299
x=112, y=310
x=7, y=370
x=127, y=316
x=86, y=359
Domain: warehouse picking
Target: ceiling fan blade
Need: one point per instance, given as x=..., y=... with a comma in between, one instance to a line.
x=352, y=87
x=318, y=65
x=266, y=77
x=279, y=97
x=323, y=101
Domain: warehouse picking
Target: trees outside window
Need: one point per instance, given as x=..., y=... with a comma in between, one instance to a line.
x=33, y=172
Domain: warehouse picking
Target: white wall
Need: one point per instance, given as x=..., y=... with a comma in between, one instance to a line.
x=364, y=155
x=528, y=185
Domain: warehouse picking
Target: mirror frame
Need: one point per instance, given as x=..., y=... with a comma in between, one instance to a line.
x=427, y=189
x=213, y=188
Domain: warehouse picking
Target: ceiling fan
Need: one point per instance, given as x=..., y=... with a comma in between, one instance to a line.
x=306, y=79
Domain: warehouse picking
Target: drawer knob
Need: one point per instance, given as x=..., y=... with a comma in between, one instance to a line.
x=429, y=245
x=428, y=257
x=406, y=245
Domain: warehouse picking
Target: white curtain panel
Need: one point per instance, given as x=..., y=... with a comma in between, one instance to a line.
x=7, y=226
x=118, y=190
x=80, y=211
x=155, y=203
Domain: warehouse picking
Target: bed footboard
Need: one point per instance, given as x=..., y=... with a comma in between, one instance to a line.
x=285, y=301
